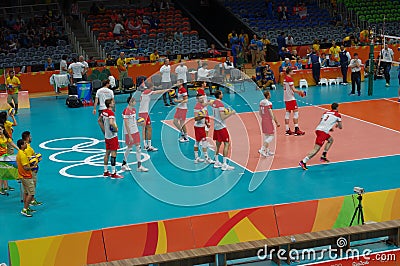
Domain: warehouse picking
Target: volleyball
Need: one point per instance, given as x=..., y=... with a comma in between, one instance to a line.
x=140, y=120
x=39, y=157
x=11, y=111
x=33, y=161
x=113, y=129
x=172, y=93
x=201, y=113
x=302, y=93
x=227, y=111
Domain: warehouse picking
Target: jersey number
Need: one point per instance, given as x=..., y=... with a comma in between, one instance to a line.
x=326, y=118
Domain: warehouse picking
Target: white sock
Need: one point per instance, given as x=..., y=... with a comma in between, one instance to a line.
x=113, y=170
x=296, y=125
x=262, y=148
x=138, y=153
x=149, y=142
x=145, y=142
x=196, y=154
x=105, y=168
x=126, y=153
x=224, y=160
x=287, y=127
x=216, y=158
x=205, y=154
x=305, y=160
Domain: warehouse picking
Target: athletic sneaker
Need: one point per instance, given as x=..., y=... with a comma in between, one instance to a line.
x=145, y=148
x=26, y=212
x=151, y=148
x=324, y=159
x=217, y=164
x=106, y=174
x=387, y=84
x=116, y=176
x=303, y=165
x=289, y=132
x=125, y=167
x=209, y=161
x=31, y=210
x=9, y=188
x=270, y=153
x=298, y=132
x=226, y=167
x=183, y=139
x=142, y=169
x=359, y=93
x=262, y=153
x=198, y=160
x=35, y=203
x=344, y=84
x=2, y=191
x=352, y=94
x=398, y=100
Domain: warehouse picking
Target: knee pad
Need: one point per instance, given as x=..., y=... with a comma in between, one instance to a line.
x=296, y=115
x=287, y=115
x=113, y=160
x=268, y=139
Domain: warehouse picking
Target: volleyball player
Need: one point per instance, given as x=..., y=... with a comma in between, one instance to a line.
x=221, y=134
x=145, y=99
x=111, y=139
x=132, y=136
x=328, y=121
x=267, y=116
x=200, y=114
x=181, y=111
x=291, y=105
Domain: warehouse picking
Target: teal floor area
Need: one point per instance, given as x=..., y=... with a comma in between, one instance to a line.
x=76, y=200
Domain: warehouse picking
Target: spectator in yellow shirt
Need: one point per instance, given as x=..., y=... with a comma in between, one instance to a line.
x=154, y=56
x=13, y=84
x=122, y=68
x=8, y=125
x=334, y=51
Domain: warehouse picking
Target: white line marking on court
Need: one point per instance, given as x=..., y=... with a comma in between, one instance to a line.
x=344, y=161
x=390, y=100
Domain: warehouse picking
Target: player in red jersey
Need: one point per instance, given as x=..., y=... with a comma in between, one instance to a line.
x=328, y=121
x=111, y=138
x=200, y=124
x=267, y=116
x=132, y=135
x=291, y=105
x=144, y=106
x=221, y=134
x=181, y=111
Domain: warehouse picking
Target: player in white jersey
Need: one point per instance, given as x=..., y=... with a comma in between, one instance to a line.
x=221, y=134
x=102, y=94
x=328, y=121
x=132, y=135
x=291, y=105
x=181, y=111
x=200, y=114
x=111, y=139
x=144, y=106
x=267, y=116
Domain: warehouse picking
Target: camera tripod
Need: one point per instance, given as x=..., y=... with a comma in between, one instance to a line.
x=358, y=212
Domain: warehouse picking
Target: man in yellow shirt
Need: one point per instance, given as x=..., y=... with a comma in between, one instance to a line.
x=13, y=84
x=25, y=174
x=26, y=136
x=334, y=51
x=122, y=69
x=154, y=56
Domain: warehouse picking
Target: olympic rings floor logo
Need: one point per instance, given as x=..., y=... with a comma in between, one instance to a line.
x=87, y=146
